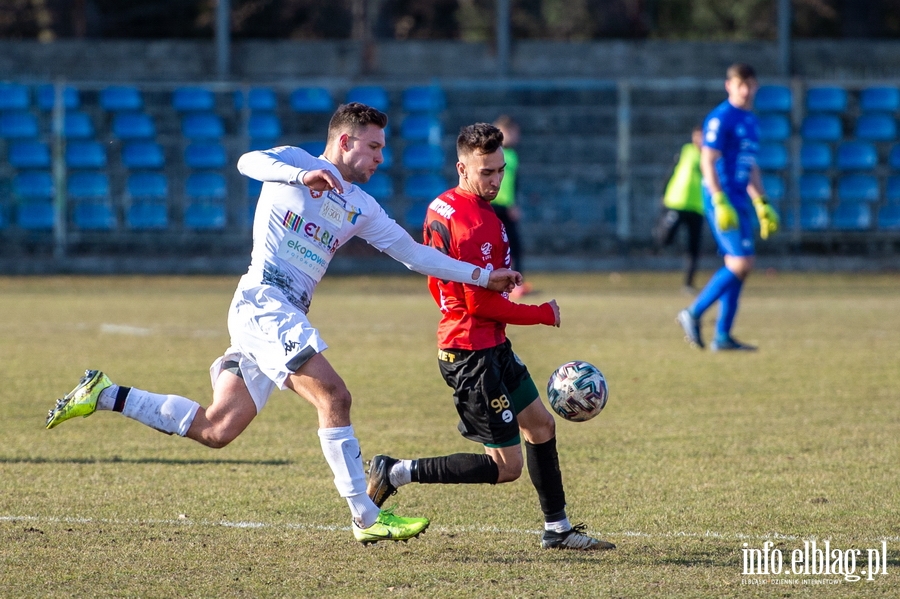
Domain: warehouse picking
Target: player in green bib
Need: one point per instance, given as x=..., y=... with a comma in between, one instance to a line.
x=683, y=205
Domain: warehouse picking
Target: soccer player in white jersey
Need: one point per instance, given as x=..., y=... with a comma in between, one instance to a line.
x=308, y=208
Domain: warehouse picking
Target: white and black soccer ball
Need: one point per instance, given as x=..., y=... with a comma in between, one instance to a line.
x=577, y=391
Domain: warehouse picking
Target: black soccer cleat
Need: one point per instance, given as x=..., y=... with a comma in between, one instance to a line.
x=380, y=487
x=574, y=538
x=691, y=327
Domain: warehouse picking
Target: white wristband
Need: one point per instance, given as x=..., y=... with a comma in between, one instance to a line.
x=298, y=178
x=483, y=276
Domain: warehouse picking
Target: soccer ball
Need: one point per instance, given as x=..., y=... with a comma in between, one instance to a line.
x=577, y=391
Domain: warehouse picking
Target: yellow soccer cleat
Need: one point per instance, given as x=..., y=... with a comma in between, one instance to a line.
x=389, y=527
x=81, y=401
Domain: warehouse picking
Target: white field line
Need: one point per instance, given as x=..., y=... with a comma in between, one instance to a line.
x=709, y=534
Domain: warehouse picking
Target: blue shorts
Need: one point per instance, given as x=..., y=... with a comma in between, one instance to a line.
x=738, y=242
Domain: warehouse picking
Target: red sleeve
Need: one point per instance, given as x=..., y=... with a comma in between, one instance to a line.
x=483, y=303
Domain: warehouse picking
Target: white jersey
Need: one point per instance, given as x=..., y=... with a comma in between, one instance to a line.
x=296, y=231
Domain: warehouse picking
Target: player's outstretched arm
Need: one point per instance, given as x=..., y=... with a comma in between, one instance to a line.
x=429, y=261
x=290, y=166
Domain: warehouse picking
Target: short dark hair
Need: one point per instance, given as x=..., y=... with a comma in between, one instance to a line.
x=352, y=117
x=741, y=70
x=483, y=138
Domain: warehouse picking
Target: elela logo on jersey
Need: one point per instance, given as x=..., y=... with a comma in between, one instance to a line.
x=322, y=237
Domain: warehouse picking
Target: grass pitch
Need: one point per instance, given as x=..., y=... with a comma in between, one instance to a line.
x=695, y=455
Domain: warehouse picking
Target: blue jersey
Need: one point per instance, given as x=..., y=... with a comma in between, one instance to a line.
x=735, y=133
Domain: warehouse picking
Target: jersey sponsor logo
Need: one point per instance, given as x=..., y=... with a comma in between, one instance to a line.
x=352, y=211
x=503, y=233
x=442, y=208
x=322, y=237
x=299, y=252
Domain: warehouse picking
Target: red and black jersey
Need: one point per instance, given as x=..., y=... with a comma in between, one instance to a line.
x=464, y=226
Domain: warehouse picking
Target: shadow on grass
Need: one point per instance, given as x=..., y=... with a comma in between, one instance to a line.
x=121, y=460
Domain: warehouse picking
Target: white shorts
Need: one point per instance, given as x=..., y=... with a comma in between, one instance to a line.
x=270, y=340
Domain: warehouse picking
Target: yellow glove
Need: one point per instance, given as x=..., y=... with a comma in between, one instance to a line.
x=725, y=214
x=768, y=218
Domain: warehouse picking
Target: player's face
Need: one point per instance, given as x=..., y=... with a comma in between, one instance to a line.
x=362, y=153
x=481, y=174
x=741, y=92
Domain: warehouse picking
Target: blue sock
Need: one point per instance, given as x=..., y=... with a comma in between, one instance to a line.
x=728, y=309
x=717, y=285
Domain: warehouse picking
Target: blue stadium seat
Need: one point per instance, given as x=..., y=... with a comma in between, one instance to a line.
x=415, y=215
x=29, y=154
x=815, y=188
x=772, y=157
x=815, y=156
x=388, y=155
x=205, y=186
x=97, y=216
x=852, y=217
x=46, y=97
x=18, y=125
x=152, y=216
x=204, y=215
x=264, y=125
x=773, y=98
x=379, y=187
x=822, y=128
x=421, y=128
x=424, y=157
x=813, y=217
x=425, y=186
x=35, y=215
x=33, y=185
x=826, y=99
x=186, y=99
x=858, y=188
x=889, y=217
x=894, y=157
x=14, y=96
x=311, y=99
x=315, y=148
x=856, y=156
x=147, y=187
x=774, y=186
x=88, y=185
x=892, y=190
x=85, y=154
x=116, y=98
x=205, y=155
x=876, y=127
x=78, y=125
x=143, y=154
x=370, y=95
x=258, y=98
x=774, y=127
x=133, y=125
x=202, y=125
x=427, y=98
x=880, y=99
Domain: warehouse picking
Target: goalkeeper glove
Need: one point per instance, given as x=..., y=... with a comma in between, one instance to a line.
x=725, y=215
x=768, y=218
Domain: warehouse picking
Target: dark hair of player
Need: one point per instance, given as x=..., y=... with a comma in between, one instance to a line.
x=740, y=70
x=482, y=138
x=353, y=116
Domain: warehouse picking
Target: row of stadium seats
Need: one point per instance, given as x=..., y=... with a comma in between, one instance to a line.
x=828, y=99
x=122, y=98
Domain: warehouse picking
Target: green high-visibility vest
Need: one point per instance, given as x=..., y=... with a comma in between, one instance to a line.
x=683, y=191
x=507, y=194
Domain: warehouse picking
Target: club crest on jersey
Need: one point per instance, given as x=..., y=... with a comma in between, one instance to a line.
x=486, y=248
x=315, y=194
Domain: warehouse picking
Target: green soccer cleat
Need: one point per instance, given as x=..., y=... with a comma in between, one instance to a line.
x=574, y=538
x=379, y=487
x=389, y=527
x=81, y=401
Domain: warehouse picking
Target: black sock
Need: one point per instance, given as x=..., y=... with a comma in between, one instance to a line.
x=457, y=468
x=543, y=468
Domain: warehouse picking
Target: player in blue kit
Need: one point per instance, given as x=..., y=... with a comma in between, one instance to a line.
x=732, y=191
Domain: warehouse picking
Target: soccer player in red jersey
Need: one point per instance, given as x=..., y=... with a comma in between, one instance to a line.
x=495, y=397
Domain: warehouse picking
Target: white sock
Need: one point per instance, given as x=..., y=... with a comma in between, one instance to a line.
x=107, y=398
x=171, y=414
x=341, y=450
x=558, y=526
x=401, y=473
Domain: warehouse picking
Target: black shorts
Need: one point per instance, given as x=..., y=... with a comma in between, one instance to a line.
x=490, y=386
